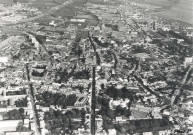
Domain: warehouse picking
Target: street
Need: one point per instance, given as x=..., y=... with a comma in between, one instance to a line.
x=31, y=95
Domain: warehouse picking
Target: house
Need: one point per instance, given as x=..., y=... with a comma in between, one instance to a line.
x=81, y=101
x=166, y=112
x=112, y=132
x=189, y=32
x=82, y=131
x=142, y=56
x=156, y=115
x=188, y=105
x=188, y=61
x=180, y=41
x=122, y=62
x=119, y=118
x=42, y=124
x=26, y=123
x=32, y=126
x=28, y=111
x=78, y=20
x=166, y=28
x=136, y=115
x=53, y=23
x=4, y=59
x=142, y=108
x=44, y=131
x=99, y=123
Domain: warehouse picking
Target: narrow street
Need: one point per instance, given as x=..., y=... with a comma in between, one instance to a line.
x=31, y=95
x=146, y=87
x=93, y=103
x=178, y=92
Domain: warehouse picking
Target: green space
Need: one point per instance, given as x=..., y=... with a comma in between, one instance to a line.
x=47, y=99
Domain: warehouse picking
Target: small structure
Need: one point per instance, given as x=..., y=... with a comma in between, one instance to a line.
x=189, y=32
x=26, y=123
x=188, y=61
x=81, y=101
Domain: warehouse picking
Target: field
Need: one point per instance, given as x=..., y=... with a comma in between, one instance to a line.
x=65, y=12
x=6, y=2
x=181, y=10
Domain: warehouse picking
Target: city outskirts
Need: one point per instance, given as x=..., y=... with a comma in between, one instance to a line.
x=96, y=67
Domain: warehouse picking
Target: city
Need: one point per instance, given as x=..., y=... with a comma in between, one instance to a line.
x=95, y=67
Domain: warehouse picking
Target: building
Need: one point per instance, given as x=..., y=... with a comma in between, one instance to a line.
x=122, y=62
x=4, y=59
x=189, y=32
x=8, y=125
x=44, y=131
x=142, y=56
x=78, y=20
x=112, y=132
x=82, y=101
x=26, y=123
x=188, y=105
x=188, y=61
x=137, y=115
x=147, y=133
x=32, y=126
x=42, y=124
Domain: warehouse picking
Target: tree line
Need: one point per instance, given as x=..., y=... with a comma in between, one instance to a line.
x=48, y=98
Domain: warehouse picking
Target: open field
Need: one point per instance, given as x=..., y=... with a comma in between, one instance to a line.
x=180, y=10
x=65, y=12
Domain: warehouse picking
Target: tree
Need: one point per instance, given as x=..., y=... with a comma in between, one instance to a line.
x=105, y=102
x=21, y=128
x=56, y=131
x=125, y=92
x=71, y=99
x=21, y=111
x=14, y=115
x=110, y=114
x=122, y=111
x=118, y=110
x=78, y=112
x=48, y=126
x=131, y=127
x=106, y=125
x=102, y=86
x=48, y=98
x=120, y=129
x=73, y=113
x=115, y=27
x=21, y=102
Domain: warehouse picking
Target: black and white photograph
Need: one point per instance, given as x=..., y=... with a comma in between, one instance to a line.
x=96, y=67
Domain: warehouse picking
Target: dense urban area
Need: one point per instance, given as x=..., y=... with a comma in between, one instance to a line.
x=86, y=67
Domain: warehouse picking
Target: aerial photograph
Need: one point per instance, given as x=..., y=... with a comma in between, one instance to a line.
x=96, y=67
